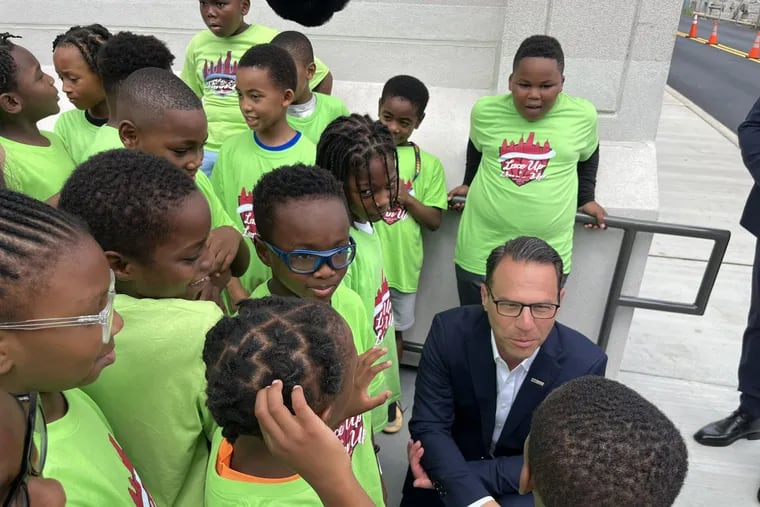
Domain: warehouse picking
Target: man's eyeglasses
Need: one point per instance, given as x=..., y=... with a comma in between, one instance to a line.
x=509, y=308
x=306, y=262
x=34, y=453
x=104, y=318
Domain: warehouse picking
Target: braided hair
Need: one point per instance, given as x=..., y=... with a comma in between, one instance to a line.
x=7, y=64
x=291, y=339
x=33, y=236
x=87, y=39
x=348, y=144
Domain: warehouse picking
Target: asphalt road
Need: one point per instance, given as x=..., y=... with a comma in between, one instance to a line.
x=723, y=84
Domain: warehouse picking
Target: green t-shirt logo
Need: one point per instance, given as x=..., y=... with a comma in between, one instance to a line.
x=525, y=161
x=245, y=210
x=398, y=212
x=220, y=76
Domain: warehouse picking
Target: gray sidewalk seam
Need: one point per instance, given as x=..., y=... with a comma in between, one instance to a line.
x=715, y=124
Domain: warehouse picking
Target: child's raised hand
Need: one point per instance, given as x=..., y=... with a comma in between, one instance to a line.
x=366, y=371
x=223, y=244
x=213, y=287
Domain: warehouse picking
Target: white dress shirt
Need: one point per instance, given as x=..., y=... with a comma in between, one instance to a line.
x=508, y=383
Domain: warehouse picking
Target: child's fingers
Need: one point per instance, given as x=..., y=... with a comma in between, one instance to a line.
x=269, y=400
x=375, y=401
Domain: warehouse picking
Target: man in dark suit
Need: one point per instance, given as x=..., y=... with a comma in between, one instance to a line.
x=744, y=422
x=484, y=370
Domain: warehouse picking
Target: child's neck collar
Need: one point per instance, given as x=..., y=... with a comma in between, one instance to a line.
x=242, y=28
x=278, y=137
x=305, y=108
x=251, y=456
x=54, y=405
x=24, y=132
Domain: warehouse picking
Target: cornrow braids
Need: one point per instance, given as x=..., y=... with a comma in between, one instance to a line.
x=290, y=339
x=87, y=39
x=7, y=64
x=33, y=236
x=348, y=144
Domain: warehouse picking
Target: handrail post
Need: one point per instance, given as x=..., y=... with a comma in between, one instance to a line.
x=616, y=287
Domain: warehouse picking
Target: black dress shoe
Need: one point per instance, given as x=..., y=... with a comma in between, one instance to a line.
x=729, y=430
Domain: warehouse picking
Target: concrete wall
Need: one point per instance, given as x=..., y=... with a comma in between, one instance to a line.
x=617, y=56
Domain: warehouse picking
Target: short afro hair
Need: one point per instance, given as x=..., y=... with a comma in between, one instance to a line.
x=276, y=61
x=594, y=441
x=289, y=183
x=150, y=92
x=297, y=45
x=128, y=199
x=87, y=39
x=127, y=52
x=540, y=46
x=286, y=338
x=307, y=12
x=409, y=88
x=8, y=68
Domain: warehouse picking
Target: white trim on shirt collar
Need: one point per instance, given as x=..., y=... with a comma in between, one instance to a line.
x=305, y=109
x=365, y=227
x=525, y=364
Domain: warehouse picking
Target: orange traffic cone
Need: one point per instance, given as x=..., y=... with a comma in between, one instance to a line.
x=693, y=30
x=754, y=52
x=714, y=35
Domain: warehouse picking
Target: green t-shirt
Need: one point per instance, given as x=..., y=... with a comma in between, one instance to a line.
x=527, y=181
x=219, y=216
x=154, y=395
x=37, y=171
x=77, y=132
x=226, y=492
x=326, y=109
x=90, y=464
x=366, y=277
x=210, y=66
x=400, y=234
x=106, y=138
x=242, y=161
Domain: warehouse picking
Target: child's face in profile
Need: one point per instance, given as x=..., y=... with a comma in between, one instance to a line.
x=179, y=264
x=400, y=116
x=307, y=224
x=81, y=85
x=57, y=359
x=224, y=17
x=261, y=101
x=178, y=136
x=535, y=84
x=35, y=89
x=370, y=192
x=13, y=428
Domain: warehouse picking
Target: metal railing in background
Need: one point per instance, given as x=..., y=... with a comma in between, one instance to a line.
x=631, y=228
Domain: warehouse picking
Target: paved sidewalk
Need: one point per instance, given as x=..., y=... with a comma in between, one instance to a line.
x=684, y=364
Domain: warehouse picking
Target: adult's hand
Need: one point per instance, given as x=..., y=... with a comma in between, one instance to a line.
x=462, y=191
x=415, y=451
x=594, y=209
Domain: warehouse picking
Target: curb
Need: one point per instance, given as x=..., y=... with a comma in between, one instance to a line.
x=715, y=124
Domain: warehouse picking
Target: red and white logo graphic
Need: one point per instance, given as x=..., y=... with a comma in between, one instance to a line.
x=525, y=161
x=398, y=212
x=383, y=317
x=137, y=491
x=245, y=210
x=220, y=76
x=351, y=433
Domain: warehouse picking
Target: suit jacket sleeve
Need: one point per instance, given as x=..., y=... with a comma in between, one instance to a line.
x=749, y=141
x=432, y=421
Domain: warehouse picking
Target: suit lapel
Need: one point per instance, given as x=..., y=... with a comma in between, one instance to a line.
x=537, y=385
x=483, y=373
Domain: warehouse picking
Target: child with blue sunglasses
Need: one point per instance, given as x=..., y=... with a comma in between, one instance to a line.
x=303, y=237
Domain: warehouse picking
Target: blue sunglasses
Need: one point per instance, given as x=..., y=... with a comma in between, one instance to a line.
x=306, y=262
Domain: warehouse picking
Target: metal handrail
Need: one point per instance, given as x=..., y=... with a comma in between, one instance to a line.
x=631, y=227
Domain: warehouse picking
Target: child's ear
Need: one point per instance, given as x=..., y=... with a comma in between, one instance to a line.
x=510, y=82
x=526, y=478
x=123, y=268
x=10, y=103
x=420, y=117
x=311, y=69
x=245, y=6
x=6, y=359
x=287, y=97
x=262, y=250
x=128, y=134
